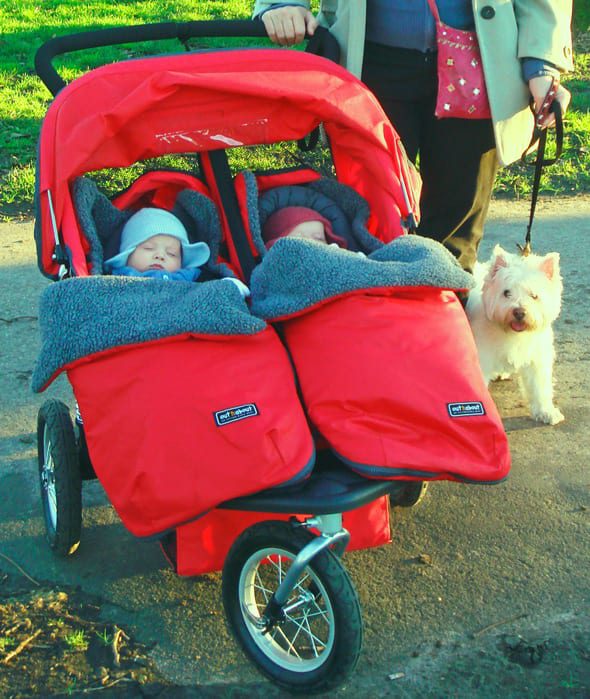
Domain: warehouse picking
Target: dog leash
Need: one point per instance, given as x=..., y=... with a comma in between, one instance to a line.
x=549, y=106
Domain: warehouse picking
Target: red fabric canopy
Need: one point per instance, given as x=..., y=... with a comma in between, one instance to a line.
x=122, y=113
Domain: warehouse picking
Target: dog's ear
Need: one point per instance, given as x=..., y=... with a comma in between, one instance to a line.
x=498, y=260
x=550, y=265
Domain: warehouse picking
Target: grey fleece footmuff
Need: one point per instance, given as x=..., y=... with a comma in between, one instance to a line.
x=297, y=274
x=82, y=316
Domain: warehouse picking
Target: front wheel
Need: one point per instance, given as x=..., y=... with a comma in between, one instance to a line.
x=59, y=474
x=317, y=644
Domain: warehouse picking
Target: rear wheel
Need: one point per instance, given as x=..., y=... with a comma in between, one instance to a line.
x=317, y=643
x=413, y=494
x=59, y=474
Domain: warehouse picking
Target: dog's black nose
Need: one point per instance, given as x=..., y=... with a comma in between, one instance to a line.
x=519, y=314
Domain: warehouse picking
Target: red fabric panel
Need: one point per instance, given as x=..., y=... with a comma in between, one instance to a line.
x=125, y=112
x=202, y=546
x=379, y=390
x=158, y=188
x=289, y=177
x=152, y=435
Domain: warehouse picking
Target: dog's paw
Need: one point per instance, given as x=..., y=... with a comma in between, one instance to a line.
x=552, y=416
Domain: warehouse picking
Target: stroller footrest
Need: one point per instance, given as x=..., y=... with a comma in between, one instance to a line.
x=325, y=492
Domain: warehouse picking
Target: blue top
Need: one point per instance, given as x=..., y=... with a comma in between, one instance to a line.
x=409, y=24
x=182, y=275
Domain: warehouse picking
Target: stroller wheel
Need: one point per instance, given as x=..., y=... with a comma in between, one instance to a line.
x=59, y=474
x=316, y=642
x=413, y=494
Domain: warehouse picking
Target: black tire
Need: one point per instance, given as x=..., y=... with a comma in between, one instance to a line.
x=323, y=663
x=87, y=472
x=59, y=476
x=413, y=494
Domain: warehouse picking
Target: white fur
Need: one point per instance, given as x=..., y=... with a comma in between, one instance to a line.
x=511, y=312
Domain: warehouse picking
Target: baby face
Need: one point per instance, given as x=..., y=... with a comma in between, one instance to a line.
x=311, y=230
x=158, y=252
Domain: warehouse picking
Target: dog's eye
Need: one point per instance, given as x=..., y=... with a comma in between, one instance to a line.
x=507, y=293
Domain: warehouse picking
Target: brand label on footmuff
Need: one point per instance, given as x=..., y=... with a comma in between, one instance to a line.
x=239, y=412
x=466, y=409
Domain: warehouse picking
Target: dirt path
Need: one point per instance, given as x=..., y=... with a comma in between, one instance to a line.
x=501, y=605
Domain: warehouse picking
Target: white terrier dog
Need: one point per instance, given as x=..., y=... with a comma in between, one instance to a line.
x=511, y=311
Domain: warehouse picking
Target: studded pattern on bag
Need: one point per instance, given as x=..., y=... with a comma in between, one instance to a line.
x=461, y=83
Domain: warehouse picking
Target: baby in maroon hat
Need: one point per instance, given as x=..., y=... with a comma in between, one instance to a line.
x=299, y=222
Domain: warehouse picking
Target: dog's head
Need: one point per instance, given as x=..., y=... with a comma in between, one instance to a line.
x=522, y=293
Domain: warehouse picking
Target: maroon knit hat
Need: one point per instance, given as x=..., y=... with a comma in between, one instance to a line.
x=283, y=221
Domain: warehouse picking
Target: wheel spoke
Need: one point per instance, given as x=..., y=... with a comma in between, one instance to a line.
x=320, y=612
x=260, y=586
x=51, y=496
x=312, y=638
x=290, y=645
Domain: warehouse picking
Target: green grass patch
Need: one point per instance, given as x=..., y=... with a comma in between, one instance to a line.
x=26, y=24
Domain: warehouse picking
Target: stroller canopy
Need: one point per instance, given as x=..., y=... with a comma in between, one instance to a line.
x=126, y=112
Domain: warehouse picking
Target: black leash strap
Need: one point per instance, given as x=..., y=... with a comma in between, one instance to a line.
x=549, y=106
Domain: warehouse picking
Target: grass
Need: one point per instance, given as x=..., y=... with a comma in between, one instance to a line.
x=76, y=640
x=26, y=24
x=6, y=644
x=104, y=637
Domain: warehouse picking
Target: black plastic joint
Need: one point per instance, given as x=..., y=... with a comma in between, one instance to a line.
x=60, y=256
x=410, y=223
x=273, y=614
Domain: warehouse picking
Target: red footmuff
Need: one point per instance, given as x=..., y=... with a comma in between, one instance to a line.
x=178, y=426
x=398, y=392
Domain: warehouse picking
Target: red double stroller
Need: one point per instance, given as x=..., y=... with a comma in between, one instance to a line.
x=262, y=435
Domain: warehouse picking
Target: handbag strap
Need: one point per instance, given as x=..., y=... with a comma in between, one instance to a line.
x=550, y=105
x=434, y=10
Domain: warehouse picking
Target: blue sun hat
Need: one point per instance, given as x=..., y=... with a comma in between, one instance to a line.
x=148, y=222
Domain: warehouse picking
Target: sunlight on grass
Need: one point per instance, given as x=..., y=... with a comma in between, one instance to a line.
x=18, y=184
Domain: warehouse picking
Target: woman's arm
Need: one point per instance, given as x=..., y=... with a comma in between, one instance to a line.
x=544, y=33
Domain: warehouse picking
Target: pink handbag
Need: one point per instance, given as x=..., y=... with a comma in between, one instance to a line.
x=461, y=84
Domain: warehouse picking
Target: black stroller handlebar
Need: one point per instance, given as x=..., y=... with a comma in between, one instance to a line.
x=322, y=43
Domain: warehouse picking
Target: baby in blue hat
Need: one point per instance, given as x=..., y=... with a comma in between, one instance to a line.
x=155, y=244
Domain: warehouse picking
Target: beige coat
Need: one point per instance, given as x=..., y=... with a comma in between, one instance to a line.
x=516, y=29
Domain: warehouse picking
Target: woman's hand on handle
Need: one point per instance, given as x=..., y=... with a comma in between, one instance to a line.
x=287, y=26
